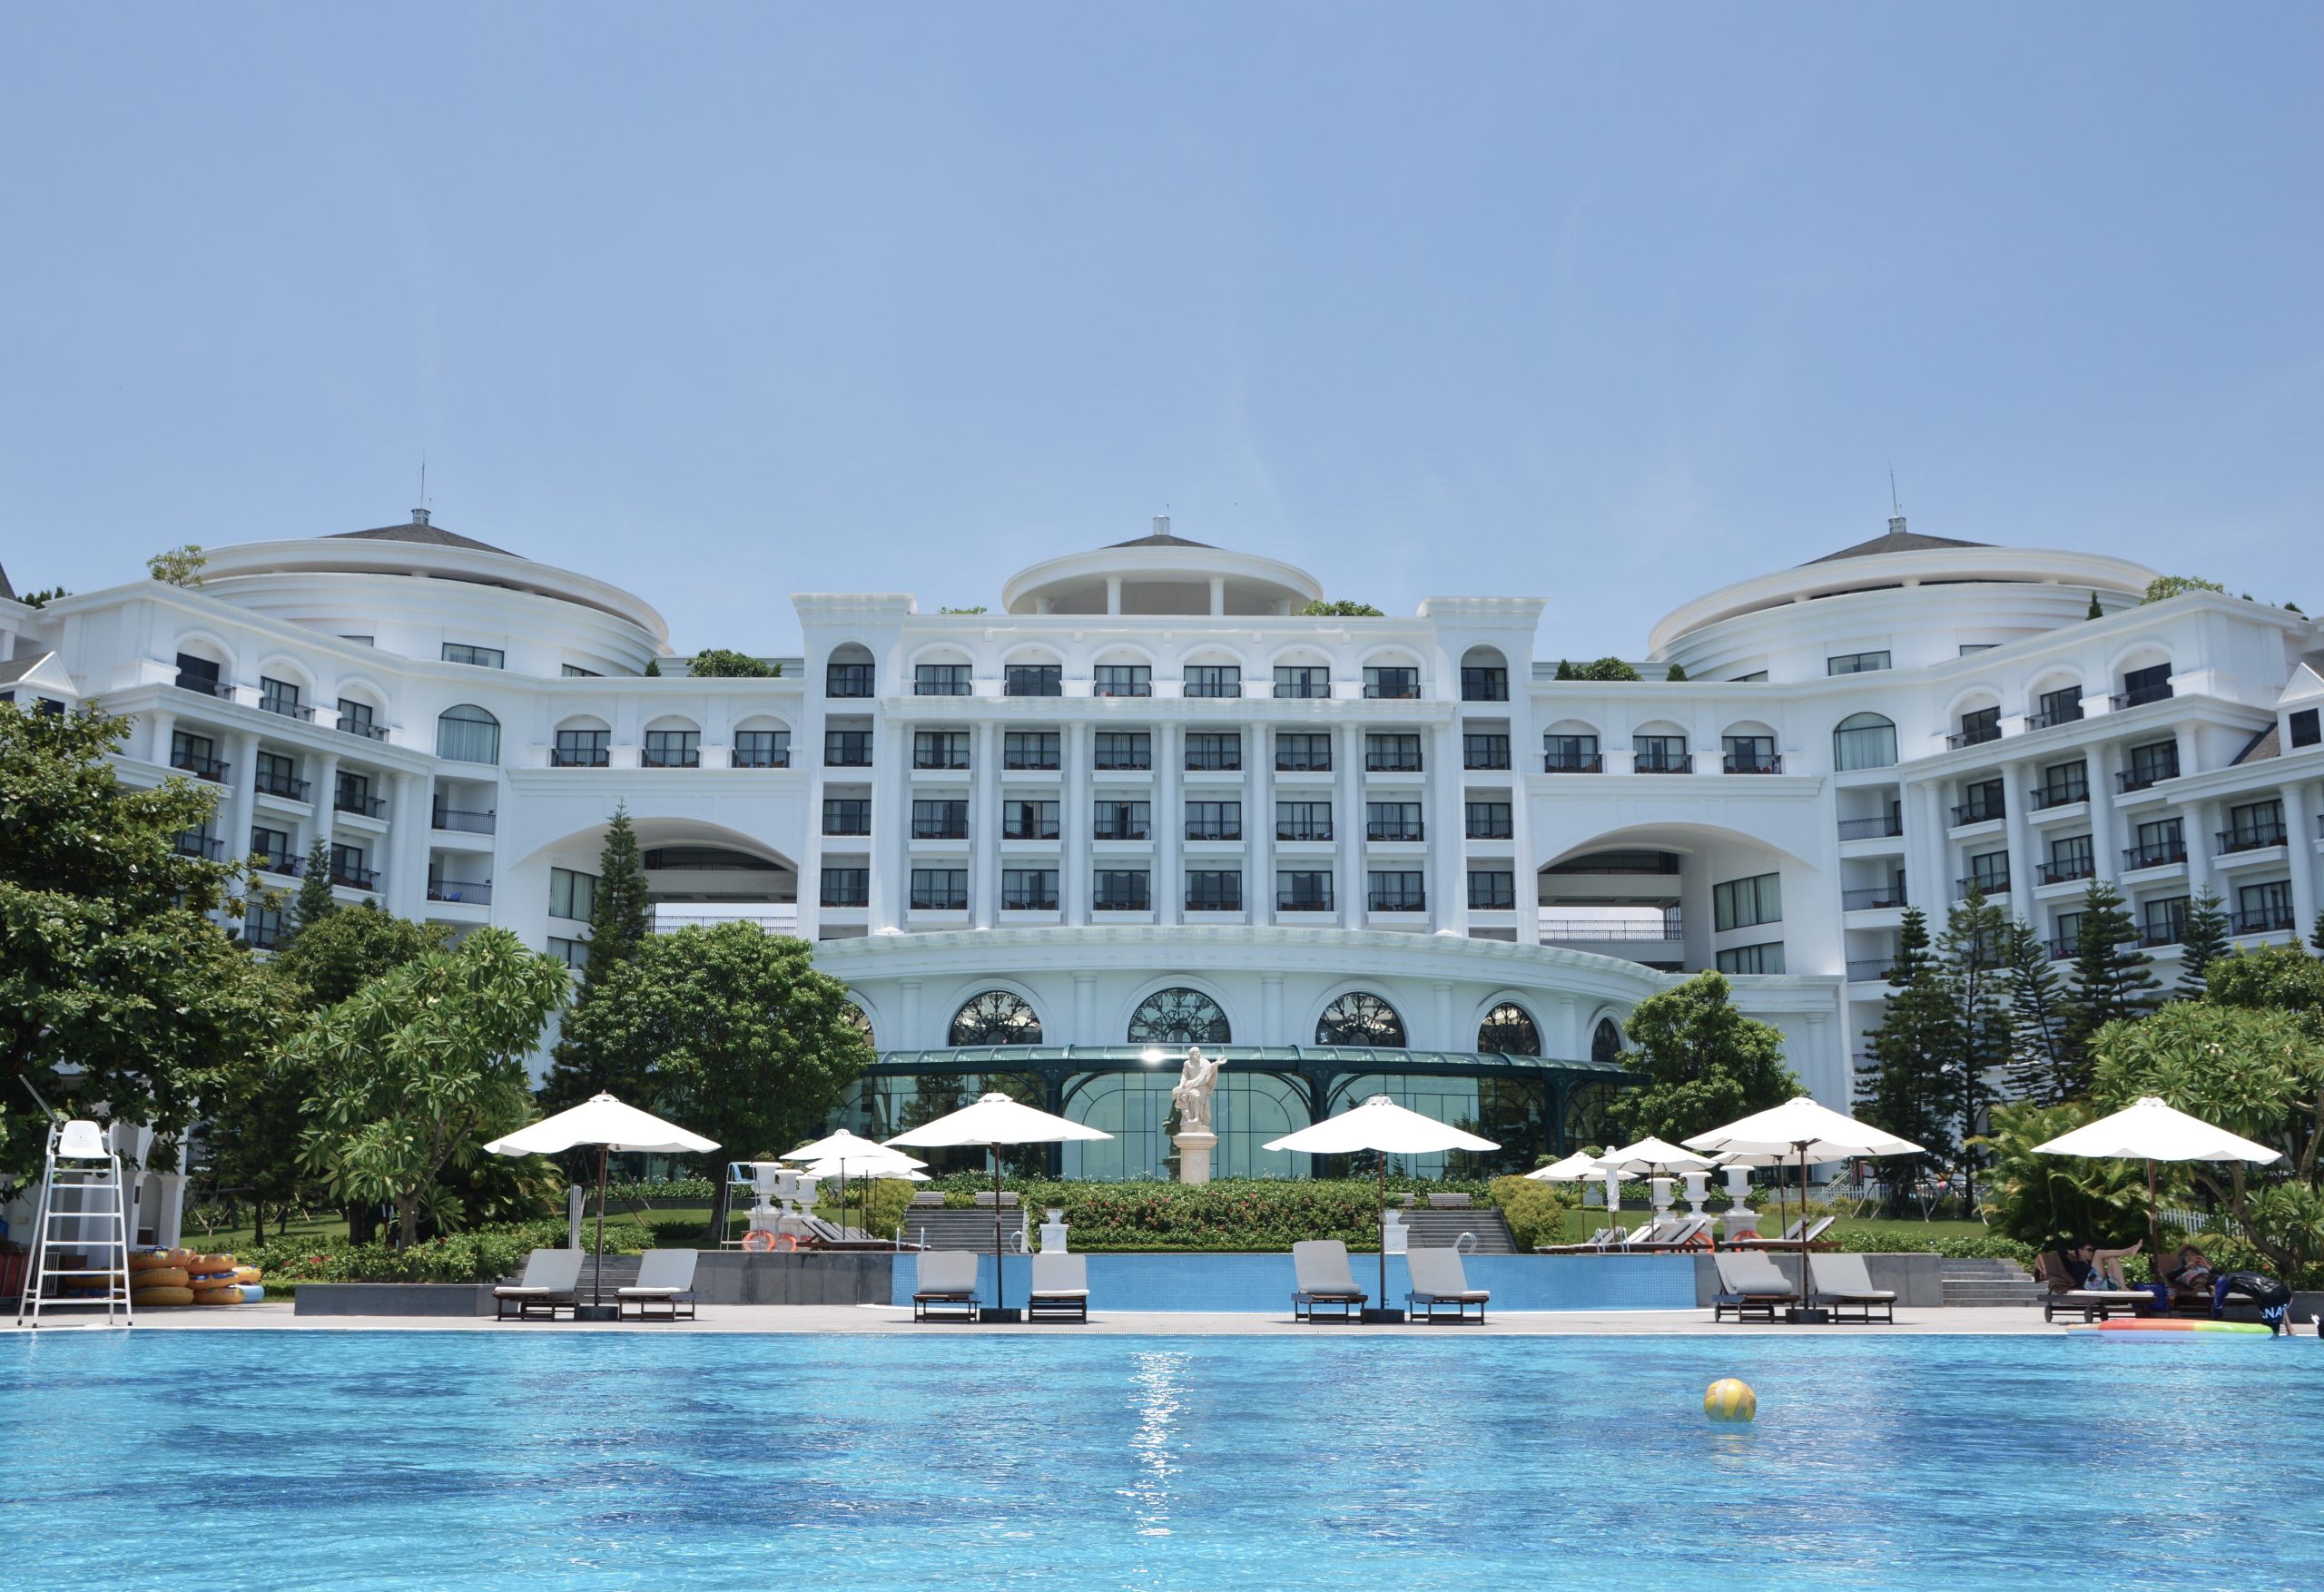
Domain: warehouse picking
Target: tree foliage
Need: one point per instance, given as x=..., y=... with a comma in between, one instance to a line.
x=2205, y=941
x=1908, y=1088
x=1598, y=669
x=724, y=664
x=2163, y=587
x=1703, y=1062
x=2041, y=1200
x=179, y=567
x=1342, y=609
x=314, y=902
x=2038, y=1018
x=621, y=921
x=1977, y=977
x=416, y=1070
x=2113, y=979
x=339, y=954
x=111, y=971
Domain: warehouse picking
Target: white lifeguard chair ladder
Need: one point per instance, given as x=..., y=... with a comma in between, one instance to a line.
x=82, y=1162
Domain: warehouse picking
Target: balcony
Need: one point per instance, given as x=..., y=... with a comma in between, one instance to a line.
x=2137, y=697
x=2256, y=837
x=1403, y=687
x=1736, y=763
x=1977, y=736
x=280, y=863
x=1023, y=900
x=939, y=829
x=1484, y=685
x=1303, y=831
x=1295, y=903
x=2266, y=921
x=1393, y=832
x=471, y=823
x=1980, y=811
x=1122, y=688
x=2068, y=871
x=1023, y=762
x=2156, y=936
x=1302, y=690
x=1030, y=830
x=1122, y=763
x=954, y=759
x=1302, y=762
x=2143, y=778
x=1661, y=763
x=458, y=890
x=689, y=758
x=940, y=901
x=1870, y=969
x=1213, y=828
x=1605, y=929
x=1121, y=830
x=2062, y=950
x=200, y=846
x=1984, y=884
x=285, y=707
x=758, y=758
x=2045, y=797
x=363, y=727
x=1877, y=898
x=1886, y=827
x=199, y=766
x=1571, y=762
x=2051, y=721
x=1398, y=761
x=205, y=685
x=2154, y=854
x=1485, y=757
x=1497, y=828
x=1214, y=762
x=1212, y=688
x=355, y=879
x=287, y=786
x=579, y=757
x=1395, y=901
x=362, y=806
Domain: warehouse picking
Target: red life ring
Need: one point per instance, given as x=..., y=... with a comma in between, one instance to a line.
x=758, y=1240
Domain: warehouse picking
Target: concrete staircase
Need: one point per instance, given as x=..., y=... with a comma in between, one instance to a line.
x=1989, y=1282
x=963, y=1228
x=1442, y=1229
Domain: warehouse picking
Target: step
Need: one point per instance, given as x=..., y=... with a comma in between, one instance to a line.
x=1435, y=1229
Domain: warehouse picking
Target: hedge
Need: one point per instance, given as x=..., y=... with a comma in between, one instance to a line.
x=1265, y=1214
x=475, y=1256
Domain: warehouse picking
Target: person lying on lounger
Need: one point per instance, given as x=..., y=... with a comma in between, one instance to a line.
x=2093, y=1267
x=2190, y=1271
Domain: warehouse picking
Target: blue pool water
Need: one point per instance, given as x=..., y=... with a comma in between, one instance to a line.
x=560, y=1459
x=1263, y=1282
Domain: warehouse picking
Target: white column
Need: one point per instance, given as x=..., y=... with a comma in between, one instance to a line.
x=908, y=1014
x=160, y=722
x=1447, y=889
x=2021, y=875
x=1169, y=823
x=2106, y=827
x=891, y=825
x=1073, y=825
x=242, y=767
x=2198, y=821
x=2300, y=826
x=984, y=824
x=1258, y=824
x=408, y=825
x=1271, y=1008
x=1441, y=1009
x=1085, y=1010
x=1218, y=595
x=1113, y=593
x=1347, y=827
x=326, y=793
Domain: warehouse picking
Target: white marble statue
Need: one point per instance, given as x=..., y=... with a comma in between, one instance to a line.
x=1192, y=1095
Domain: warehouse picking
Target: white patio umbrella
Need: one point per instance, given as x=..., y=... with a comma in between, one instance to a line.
x=1803, y=1130
x=1381, y=1124
x=835, y=1153
x=1577, y=1167
x=867, y=1167
x=609, y=1124
x=2152, y=1130
x=993, y=1121
x=1653, y=1158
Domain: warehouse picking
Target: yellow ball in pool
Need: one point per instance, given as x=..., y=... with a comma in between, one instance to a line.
x=1729, y=1400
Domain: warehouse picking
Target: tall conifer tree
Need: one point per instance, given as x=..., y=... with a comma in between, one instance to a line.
x=621, y=920
x=1907, y=1089
x=2113, y=979
x=1975, y=971
x=2206, y=942
x=2037, y=1019
x=314, y=902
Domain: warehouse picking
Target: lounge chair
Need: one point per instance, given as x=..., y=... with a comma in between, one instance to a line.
x=1439, y=1280
x=551, y=1277
x=1760, y=1241
x=1693, y=1233
x=2061, y=1291
x=1597, y=1243
x=1749, y=1284
x=945, y=1285
x=1060, y=1288
x=664, y=1282
x=1320, y=1267
x=1655, y=1235
x=1842, y=1281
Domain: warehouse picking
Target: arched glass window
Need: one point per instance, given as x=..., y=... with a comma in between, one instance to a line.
x=466, y=733
x=1508, y=1030
x=1178, y=1015
x=852, y=1015
x=1606, y=1043
x=1864, y=740
x=996, y=1018
x=1360, y=1019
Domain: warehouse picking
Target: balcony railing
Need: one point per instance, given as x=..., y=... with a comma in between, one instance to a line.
x=2052, y=720
x=940, y=900
x=1661, y=763
x=1392, y=762
x=777, y=759
x=280, y=863
x=1213, y=830
x=1122, y=688
x=1121, y=904
x=2067, y=871
x=203, y=685
x=1983, y=884
x=2061, y=950
x=2256, y=837
x=1484, y=757
x=1302, y=690
x=1118, y=763
x=1569, y=763
x=1038, y=761
x=362, y=806
x=1492, y=830
x=1870, y=969
x=286, y=708
x=1214, y=762
x=1121, y=830
x=939, y=829
x=1030, y=830
x=2141, y=697
x=199, y=766
x=2266, y=921
x=2156, y=935
x=1393, y=901
x=287, y=786
x=579, y=757
x=1742, y=762
x=355, y=879
x=1302, y=762
x=2045, y=797
x=1873, y=899
x=1604, y=929
x=1969, y=812
x=1393, y=832
x=1303, y=831
x=460, y=890
x=691, y=758
x=2154, y=854
x=1872, y=829
x=1212, y=688
x=368, y=729
x=1288, y=903
x=2131, y=780
x=473, y=823
x=201, y=846
x=1977, y=737
x=939, y=760
x=1028, y=900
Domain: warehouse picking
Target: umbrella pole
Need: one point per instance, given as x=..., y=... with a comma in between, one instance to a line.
x=999, y=1291
x=1383, y=1230
x=597, y=1283
x=2153, y=1219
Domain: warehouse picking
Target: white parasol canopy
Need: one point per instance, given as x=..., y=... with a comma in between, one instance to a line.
x=1578, y=1167
x=2152, y=1130
x=850, y=1147
x=1381, y=1125
x=1800, y=1128
x=995, y=1120
x=1653, y=1156
x=863, y=1168
x=608, y=1124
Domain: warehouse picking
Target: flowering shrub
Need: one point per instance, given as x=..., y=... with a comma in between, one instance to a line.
x=476, y=1256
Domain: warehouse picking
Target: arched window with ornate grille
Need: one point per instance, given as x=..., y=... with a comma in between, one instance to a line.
x=1606, y=1042
x=1508, y=1030
x=996, y=1018
x=1361, y=1018
x=852, y=1015
x=1180, y=1016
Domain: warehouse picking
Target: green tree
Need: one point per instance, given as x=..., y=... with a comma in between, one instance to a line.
x=314, y=902
x=621, y=921
x=1565, y=669
x=726, y=1030
x=1343, y=609
x=2276, y=977
x=723, y=663
x=1606, y=669
x=2037, y=1019
x=338, y=954
x=2113, y=979
x=1974, y=955
x=112, y=970
x=653, y=669
x=2095, y=611
x=2163, y=587
x=2205, y=942
x=1704, y=1063
x=416, y=1070
x=44, y=597
x=180, y=566
x=1678, y=671
x=2040, y=1199
x=2316, y=936
x=1908, y=1086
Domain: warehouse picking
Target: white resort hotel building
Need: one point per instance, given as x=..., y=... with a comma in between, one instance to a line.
x=1144, y=801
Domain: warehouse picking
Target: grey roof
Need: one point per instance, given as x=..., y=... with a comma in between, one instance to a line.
x=1894, y=541
x=16, y=669
x=1160, y=539
x=6, y=590
x=2266, y=744
x=427, y=535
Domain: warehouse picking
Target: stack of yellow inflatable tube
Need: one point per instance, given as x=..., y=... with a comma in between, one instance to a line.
x=182, y=1276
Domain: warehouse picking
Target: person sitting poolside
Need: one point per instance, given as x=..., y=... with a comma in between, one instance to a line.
x=2189, y=1271
x=2092, y=1267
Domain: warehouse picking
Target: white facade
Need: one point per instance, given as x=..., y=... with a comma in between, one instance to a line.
x=1449, y=840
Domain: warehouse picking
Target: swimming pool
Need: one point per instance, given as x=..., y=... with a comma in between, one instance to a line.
x=566, y=1459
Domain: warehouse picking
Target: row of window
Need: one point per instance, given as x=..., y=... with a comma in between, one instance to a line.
x=1040, y=818
x=672, y=749
x=1659, y=754
x=1181, y=1015
x=1292, y=681
x=2265, y=908
x=1114, y=750
x=275, y=773
x=1131, y=890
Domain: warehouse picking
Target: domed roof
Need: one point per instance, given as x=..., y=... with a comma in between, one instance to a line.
x=1160, y=537
x=1895, y=539
x=428, y=535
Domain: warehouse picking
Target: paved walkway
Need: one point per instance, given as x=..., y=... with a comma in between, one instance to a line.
x=884, y=1319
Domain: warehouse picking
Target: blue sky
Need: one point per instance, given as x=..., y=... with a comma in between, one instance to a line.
x=1612, y=305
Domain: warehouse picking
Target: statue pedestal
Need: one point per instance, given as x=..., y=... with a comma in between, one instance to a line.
x=1194, y=1155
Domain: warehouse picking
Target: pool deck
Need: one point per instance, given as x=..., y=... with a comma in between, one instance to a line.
x=1954, y=1322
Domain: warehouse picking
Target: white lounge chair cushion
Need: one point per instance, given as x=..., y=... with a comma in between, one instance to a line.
x=1437, y=1274
x=1845, y=1277
x=1060, y=1293
x=1321, y=1266
x=651, y=1292
x=1751, y=1274
x=945, y=1273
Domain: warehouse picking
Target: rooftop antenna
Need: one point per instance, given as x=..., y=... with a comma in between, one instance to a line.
x=419, y=515
x=1895, y=507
